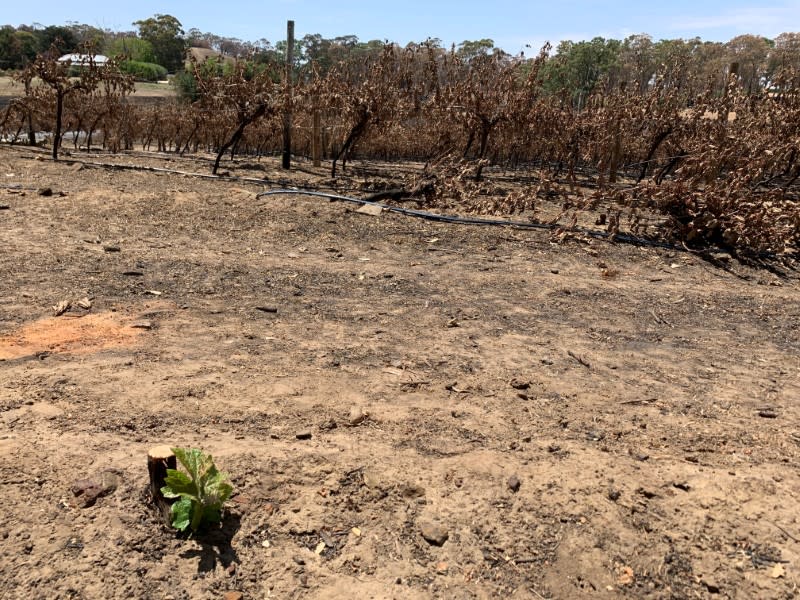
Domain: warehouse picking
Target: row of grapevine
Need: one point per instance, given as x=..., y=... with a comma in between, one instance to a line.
x=722, y=167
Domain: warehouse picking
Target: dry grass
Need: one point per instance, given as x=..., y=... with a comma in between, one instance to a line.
x=142, y=89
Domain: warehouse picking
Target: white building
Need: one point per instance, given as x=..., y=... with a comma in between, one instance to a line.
x=80, y=60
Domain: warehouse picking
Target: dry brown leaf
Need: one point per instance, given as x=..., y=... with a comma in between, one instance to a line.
x=777, y=571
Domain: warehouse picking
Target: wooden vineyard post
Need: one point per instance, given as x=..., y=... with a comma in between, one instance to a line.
x=159, y=459
x=287, y=113
x=316, y=139
x=616, y=152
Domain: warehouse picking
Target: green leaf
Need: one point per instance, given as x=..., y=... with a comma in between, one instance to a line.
x=181, y=513
x=202, y=492
x=223, y=489
x=178, y=484
x=196, y=462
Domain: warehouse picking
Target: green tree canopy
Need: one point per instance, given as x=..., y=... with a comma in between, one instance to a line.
x=136, y=49
x=17, y=47
x=470, y=49
x=165, y=34
x=59, y=37
x=578, y=66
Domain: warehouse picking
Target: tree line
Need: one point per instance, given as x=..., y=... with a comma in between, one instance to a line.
x=572, y=67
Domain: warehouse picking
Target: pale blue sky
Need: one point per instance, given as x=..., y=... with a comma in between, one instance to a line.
x=511, y=25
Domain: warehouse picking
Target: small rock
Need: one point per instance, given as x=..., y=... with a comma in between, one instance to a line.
x=62, y=307
x=441, y=568
x=371, y=210
x=74, y=543
x=87, y=492
x=614, y=495
x=5, y=207
x=46, y=192
x=328, y=425
x=303, y=435
x=109, y=482
x=434, y=534
x=711, y=585
x=268, y=309
x=142, y=325
x=649, y=494
x=768, y=413
x=595, y=435
x=111, y=248
x=519, y=384
x=513, y=483
x=232, y=596
x=357, y=416
x=371, y=479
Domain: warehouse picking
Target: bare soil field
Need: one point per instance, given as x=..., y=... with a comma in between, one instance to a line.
x=406, y=409
x=144, y=91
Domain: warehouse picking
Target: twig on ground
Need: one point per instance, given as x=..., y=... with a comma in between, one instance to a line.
x=789, y=535
x=579, y=359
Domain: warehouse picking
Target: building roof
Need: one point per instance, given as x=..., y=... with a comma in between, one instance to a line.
x=83, y=59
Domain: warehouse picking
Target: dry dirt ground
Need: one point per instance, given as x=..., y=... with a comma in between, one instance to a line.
x=579, y=420
x=9, y=89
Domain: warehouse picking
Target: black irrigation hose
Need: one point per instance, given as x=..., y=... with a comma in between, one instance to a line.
x=621, y=237
x=617, y=237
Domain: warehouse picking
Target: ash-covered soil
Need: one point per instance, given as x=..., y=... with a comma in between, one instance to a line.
x=568, y=420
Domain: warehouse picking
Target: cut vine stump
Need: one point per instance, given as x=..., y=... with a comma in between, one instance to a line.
x=159, y=459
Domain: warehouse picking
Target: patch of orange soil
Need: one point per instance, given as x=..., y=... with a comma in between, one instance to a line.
x=75, y=335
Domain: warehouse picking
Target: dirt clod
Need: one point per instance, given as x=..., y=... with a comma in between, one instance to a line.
x=87, y=491
x=434, y=533
x=357, y=416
